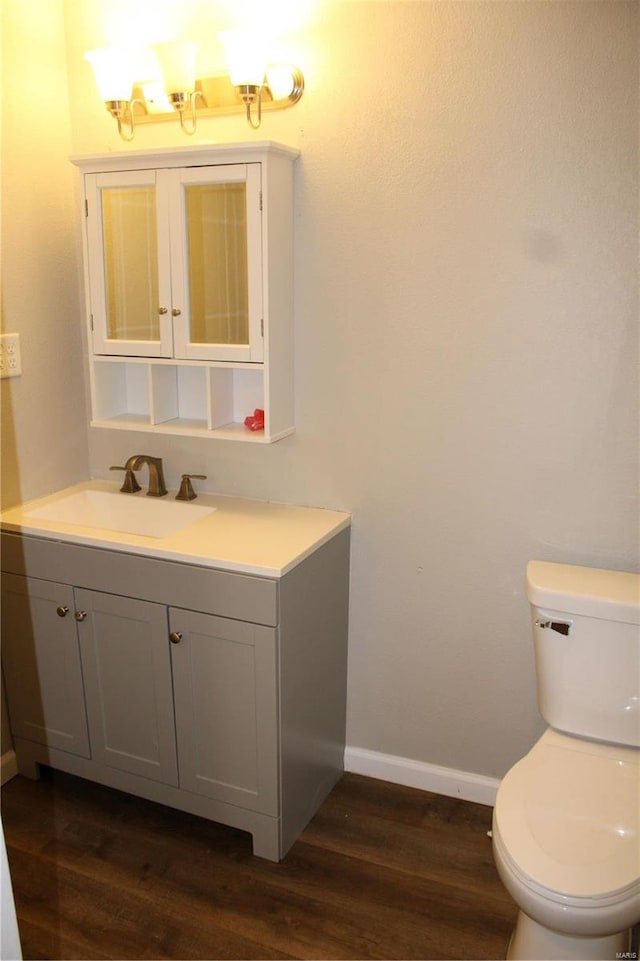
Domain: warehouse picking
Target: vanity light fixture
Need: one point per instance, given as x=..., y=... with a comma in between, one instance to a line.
x=178, y=64
x=268, y=86
x=113, y=71
x=250, y=73
x=247, y=65
x=252, y=85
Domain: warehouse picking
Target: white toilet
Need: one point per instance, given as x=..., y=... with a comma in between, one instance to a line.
x=566, y=823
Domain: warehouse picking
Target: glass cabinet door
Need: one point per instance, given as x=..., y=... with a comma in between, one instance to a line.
x=129, y=265
x=216, y=263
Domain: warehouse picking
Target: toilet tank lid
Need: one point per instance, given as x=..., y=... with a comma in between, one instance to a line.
x=590, y=591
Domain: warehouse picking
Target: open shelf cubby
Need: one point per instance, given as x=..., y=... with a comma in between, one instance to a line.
x=178, y=397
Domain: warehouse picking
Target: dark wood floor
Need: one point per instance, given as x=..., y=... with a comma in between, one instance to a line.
x=381, y=872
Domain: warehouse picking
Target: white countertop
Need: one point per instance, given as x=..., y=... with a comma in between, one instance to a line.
x=247, y=536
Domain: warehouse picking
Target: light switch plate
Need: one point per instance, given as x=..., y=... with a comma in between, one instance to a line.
x=10, y=359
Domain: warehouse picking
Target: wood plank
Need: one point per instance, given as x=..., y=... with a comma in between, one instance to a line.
x=381, y=872
x=439, y=849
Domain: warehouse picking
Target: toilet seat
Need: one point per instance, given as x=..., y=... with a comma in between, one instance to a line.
x=567, y=819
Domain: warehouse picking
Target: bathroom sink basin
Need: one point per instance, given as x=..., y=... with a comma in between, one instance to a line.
x=126, y=513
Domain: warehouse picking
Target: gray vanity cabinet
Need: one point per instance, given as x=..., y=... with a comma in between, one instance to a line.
x=219, y=693
x=41, y=664
x=223, y=674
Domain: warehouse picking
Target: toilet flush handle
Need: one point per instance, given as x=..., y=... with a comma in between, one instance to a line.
x=562, y=627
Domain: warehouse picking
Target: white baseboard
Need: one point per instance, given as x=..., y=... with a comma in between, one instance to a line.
x=384, y=767
x=8, y=766
x=418, y=774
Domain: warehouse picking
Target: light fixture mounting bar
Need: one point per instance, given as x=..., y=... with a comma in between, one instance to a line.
x=218, y=97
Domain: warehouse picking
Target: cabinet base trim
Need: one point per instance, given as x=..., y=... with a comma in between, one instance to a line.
x=427, y=777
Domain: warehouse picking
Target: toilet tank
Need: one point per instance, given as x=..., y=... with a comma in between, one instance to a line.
x=586, y=633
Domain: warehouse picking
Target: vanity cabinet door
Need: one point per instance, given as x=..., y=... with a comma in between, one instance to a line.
x=129, y=263
x=127, y=669
x=224, y=675
x=41, y=664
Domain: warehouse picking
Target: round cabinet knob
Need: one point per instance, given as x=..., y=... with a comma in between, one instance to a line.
x=80, y=615
x=175, y=637
x=176, y=312
x=163, y=310
x=62, y=611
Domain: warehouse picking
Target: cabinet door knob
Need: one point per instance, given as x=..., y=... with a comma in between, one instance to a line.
x=62, y=611
x=175, y=637
x=80, y=615
x=163, y=310
x=176, y=312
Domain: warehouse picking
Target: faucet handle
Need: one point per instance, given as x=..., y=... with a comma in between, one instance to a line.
x=130, y=485
x=186, y=492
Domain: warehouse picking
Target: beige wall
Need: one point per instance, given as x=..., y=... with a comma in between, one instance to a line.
x=466, y=324
x=44, y=432
x=43, y=422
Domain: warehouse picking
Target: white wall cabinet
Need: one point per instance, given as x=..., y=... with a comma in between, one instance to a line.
x=218, y=693
x=188, y=257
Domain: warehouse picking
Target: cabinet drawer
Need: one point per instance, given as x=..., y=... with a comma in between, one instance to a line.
x=238, y=596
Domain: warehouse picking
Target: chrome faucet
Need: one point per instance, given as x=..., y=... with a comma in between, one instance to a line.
x=157, y=486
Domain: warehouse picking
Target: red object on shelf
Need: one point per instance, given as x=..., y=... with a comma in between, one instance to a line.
x=255, y=421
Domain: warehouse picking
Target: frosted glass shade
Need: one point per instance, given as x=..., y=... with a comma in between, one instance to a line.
x=113, y=71
x=246, y=60
x=178, y=64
